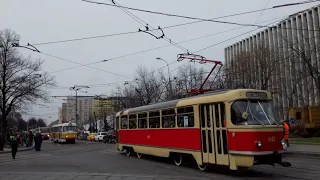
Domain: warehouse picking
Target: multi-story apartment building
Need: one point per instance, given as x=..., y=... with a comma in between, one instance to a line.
x=84, y=108
x=102, y=107
x=283, y=58
x=62, y=113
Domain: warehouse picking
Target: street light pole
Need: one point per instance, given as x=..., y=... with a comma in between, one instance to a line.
x=77, y=88
x=170, y=85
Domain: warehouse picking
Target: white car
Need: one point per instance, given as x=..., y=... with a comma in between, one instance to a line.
x=99, y=136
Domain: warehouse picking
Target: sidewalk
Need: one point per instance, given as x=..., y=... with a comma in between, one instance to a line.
x=8, y=150
x=304, y=150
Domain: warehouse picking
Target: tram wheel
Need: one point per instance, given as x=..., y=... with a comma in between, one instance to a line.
x=177, y=159
x=202, y=167
x=139, y=155
x=128, y=151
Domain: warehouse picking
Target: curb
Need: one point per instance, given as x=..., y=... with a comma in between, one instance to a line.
x=304, y=154
x=19, y=150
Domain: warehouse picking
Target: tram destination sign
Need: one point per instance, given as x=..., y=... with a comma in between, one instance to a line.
x=257, y=95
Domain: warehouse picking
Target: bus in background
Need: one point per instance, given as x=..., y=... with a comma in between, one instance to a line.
x=65, y=132
x=234, y=128
x=45, y=132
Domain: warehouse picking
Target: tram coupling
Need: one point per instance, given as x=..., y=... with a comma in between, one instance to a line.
x=285, y=164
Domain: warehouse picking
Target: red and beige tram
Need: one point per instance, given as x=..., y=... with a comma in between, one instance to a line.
x=236, y=128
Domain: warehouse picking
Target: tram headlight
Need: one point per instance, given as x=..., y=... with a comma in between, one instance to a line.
x=259, y=143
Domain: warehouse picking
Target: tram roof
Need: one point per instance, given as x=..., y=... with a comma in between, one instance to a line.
x=64, y=124
x=174, y=103
x=169, y=104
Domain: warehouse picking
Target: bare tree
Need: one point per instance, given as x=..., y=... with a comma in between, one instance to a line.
x=305, y=55
x=219, y=80
x=188, y=77
x=147, y=86
x=264, y=60
x=241, y=71
x=20, y=78
x=167, y=82
x=125, y=97
x=253, y=69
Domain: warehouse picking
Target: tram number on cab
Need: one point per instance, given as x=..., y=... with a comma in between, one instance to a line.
x=271, y=138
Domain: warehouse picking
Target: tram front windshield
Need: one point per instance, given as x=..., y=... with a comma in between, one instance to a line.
x=253, y=112
x=69, y=128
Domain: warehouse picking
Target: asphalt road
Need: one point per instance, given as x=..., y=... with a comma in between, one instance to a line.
x=95, y=161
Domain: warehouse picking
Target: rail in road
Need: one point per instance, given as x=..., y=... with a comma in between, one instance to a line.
x=103, y=161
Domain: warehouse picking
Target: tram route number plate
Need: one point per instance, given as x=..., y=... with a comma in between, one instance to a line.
x=271, y=138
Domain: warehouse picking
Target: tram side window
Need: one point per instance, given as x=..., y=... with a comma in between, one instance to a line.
x=185, y=117
x=132, y=121
x=142, y=120
x=117, y=122
x=168, y=118
x=154, y=119
x=124, y=122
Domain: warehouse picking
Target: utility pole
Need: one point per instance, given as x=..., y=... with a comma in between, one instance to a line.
x=77, y=88
x=96, y=124
x=170, y=85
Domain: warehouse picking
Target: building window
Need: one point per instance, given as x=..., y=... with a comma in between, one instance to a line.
x=185, y=117
x=168, y=118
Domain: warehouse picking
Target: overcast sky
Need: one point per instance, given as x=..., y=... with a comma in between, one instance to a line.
x=39, y=21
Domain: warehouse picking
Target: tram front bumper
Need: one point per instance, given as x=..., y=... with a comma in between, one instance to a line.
x=270, y=159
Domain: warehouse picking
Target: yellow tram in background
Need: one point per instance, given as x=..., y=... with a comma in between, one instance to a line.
x=65, y=132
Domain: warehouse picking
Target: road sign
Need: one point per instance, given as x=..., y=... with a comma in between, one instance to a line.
x=292, y=120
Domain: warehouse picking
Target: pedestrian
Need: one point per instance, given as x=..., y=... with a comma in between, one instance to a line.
x=38, y=141
x=14, y=144
x=2, y=140
x=24, y=137
x=286, y=132
x=30, y=139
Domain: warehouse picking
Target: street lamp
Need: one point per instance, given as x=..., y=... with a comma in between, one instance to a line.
x=170, y=86
x=77, y=88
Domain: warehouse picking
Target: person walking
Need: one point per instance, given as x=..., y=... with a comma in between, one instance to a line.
x=24, y=137
x=14, y=144
x=38, y=141
x=30, y=138
x=286, y=132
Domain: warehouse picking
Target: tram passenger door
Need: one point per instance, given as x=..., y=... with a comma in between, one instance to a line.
x=207, y=134
x=221, y=144
x=60, y=132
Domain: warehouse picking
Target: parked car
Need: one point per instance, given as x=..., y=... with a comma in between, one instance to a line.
x=91, y=136
x=82, y=136
x=99, y=136
x=110, y=137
